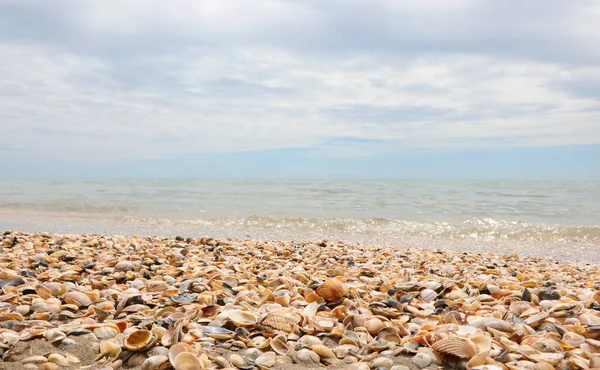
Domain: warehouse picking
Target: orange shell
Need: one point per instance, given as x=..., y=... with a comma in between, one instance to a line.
x=332, y=290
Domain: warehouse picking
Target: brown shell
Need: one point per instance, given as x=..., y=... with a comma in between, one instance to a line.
x=277, y=321
x=332, y=290
x=456, y=347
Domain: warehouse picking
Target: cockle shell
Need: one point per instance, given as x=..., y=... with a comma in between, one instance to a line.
x=331, y=290
x=456, y=347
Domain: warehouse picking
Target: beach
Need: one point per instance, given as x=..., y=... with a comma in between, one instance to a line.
x=109, y=301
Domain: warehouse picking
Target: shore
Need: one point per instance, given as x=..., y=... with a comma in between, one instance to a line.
x=107, y=301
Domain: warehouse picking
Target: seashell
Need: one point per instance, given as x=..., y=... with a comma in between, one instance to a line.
x=277, y=320
x=323, y=351
x=54, y=336
x=157, y=362
x=176, y=349
x=159, y=351
x=34, y=360
x=266, y=360
x=374, y=325
x=77, y=298
x=58, y=359
x=551, y=358
x=456, y=347
x=242, y=318
x=484, y=323
x=421, y=360
x=106, y=331
x=48, y=366
x=331, y=290
x=109, y=349
x=543, y=366
x=217, y=332
x=309, y=340
x=184, y=298
x=139, y=340
x=428, y=295
x=280, y=346
x=187, y=361
x=536, y=319
x=306, y=357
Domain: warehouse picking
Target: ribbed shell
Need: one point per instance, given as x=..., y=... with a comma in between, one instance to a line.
x=331, y=290
x=456, y=347
x=277, y=321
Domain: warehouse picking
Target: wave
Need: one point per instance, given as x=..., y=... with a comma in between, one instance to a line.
x=296, y=227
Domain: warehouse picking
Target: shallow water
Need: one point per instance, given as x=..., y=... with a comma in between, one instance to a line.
x=555, y=219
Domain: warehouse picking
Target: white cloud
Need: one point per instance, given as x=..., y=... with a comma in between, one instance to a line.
x=151, y=80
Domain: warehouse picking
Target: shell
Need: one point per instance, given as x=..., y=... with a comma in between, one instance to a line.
x=184, y=298
x=139, y=340
x=54, y=336
x=277, y=320
x=178, y=348
x=428, y=295
x=109, y=349
x=242, y=318
x=421, y=360
x=279, y=345
x=187, y=361
x=306, y=357
x=58, y=359
x=266, y=360
x=77, y=298
x=331, y=290
x=456, y=347
x=156, y=363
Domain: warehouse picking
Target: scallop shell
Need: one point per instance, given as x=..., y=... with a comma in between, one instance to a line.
x=456, y=347
x=331, y=290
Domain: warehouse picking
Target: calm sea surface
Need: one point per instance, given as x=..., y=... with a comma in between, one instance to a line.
x=555, y=219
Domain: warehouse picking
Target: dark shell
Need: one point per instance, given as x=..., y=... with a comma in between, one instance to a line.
x=184, y=298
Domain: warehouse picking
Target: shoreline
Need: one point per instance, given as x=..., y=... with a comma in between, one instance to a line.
x=283, y=303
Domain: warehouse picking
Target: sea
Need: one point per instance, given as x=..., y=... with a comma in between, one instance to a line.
x=549, y=219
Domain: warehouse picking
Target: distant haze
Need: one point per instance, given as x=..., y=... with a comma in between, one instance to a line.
x=243, y=88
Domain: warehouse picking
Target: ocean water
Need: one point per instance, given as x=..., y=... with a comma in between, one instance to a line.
x=548, y=219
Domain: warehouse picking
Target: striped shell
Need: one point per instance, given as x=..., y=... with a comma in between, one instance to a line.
x=456, y=347
x=277, y=320
x=332, y=290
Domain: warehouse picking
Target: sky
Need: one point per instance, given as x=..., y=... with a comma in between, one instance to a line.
x=269, y=88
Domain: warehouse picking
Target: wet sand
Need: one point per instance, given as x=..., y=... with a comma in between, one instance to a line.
x=356, y=306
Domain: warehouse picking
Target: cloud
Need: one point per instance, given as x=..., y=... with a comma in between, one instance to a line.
x=107, y=81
